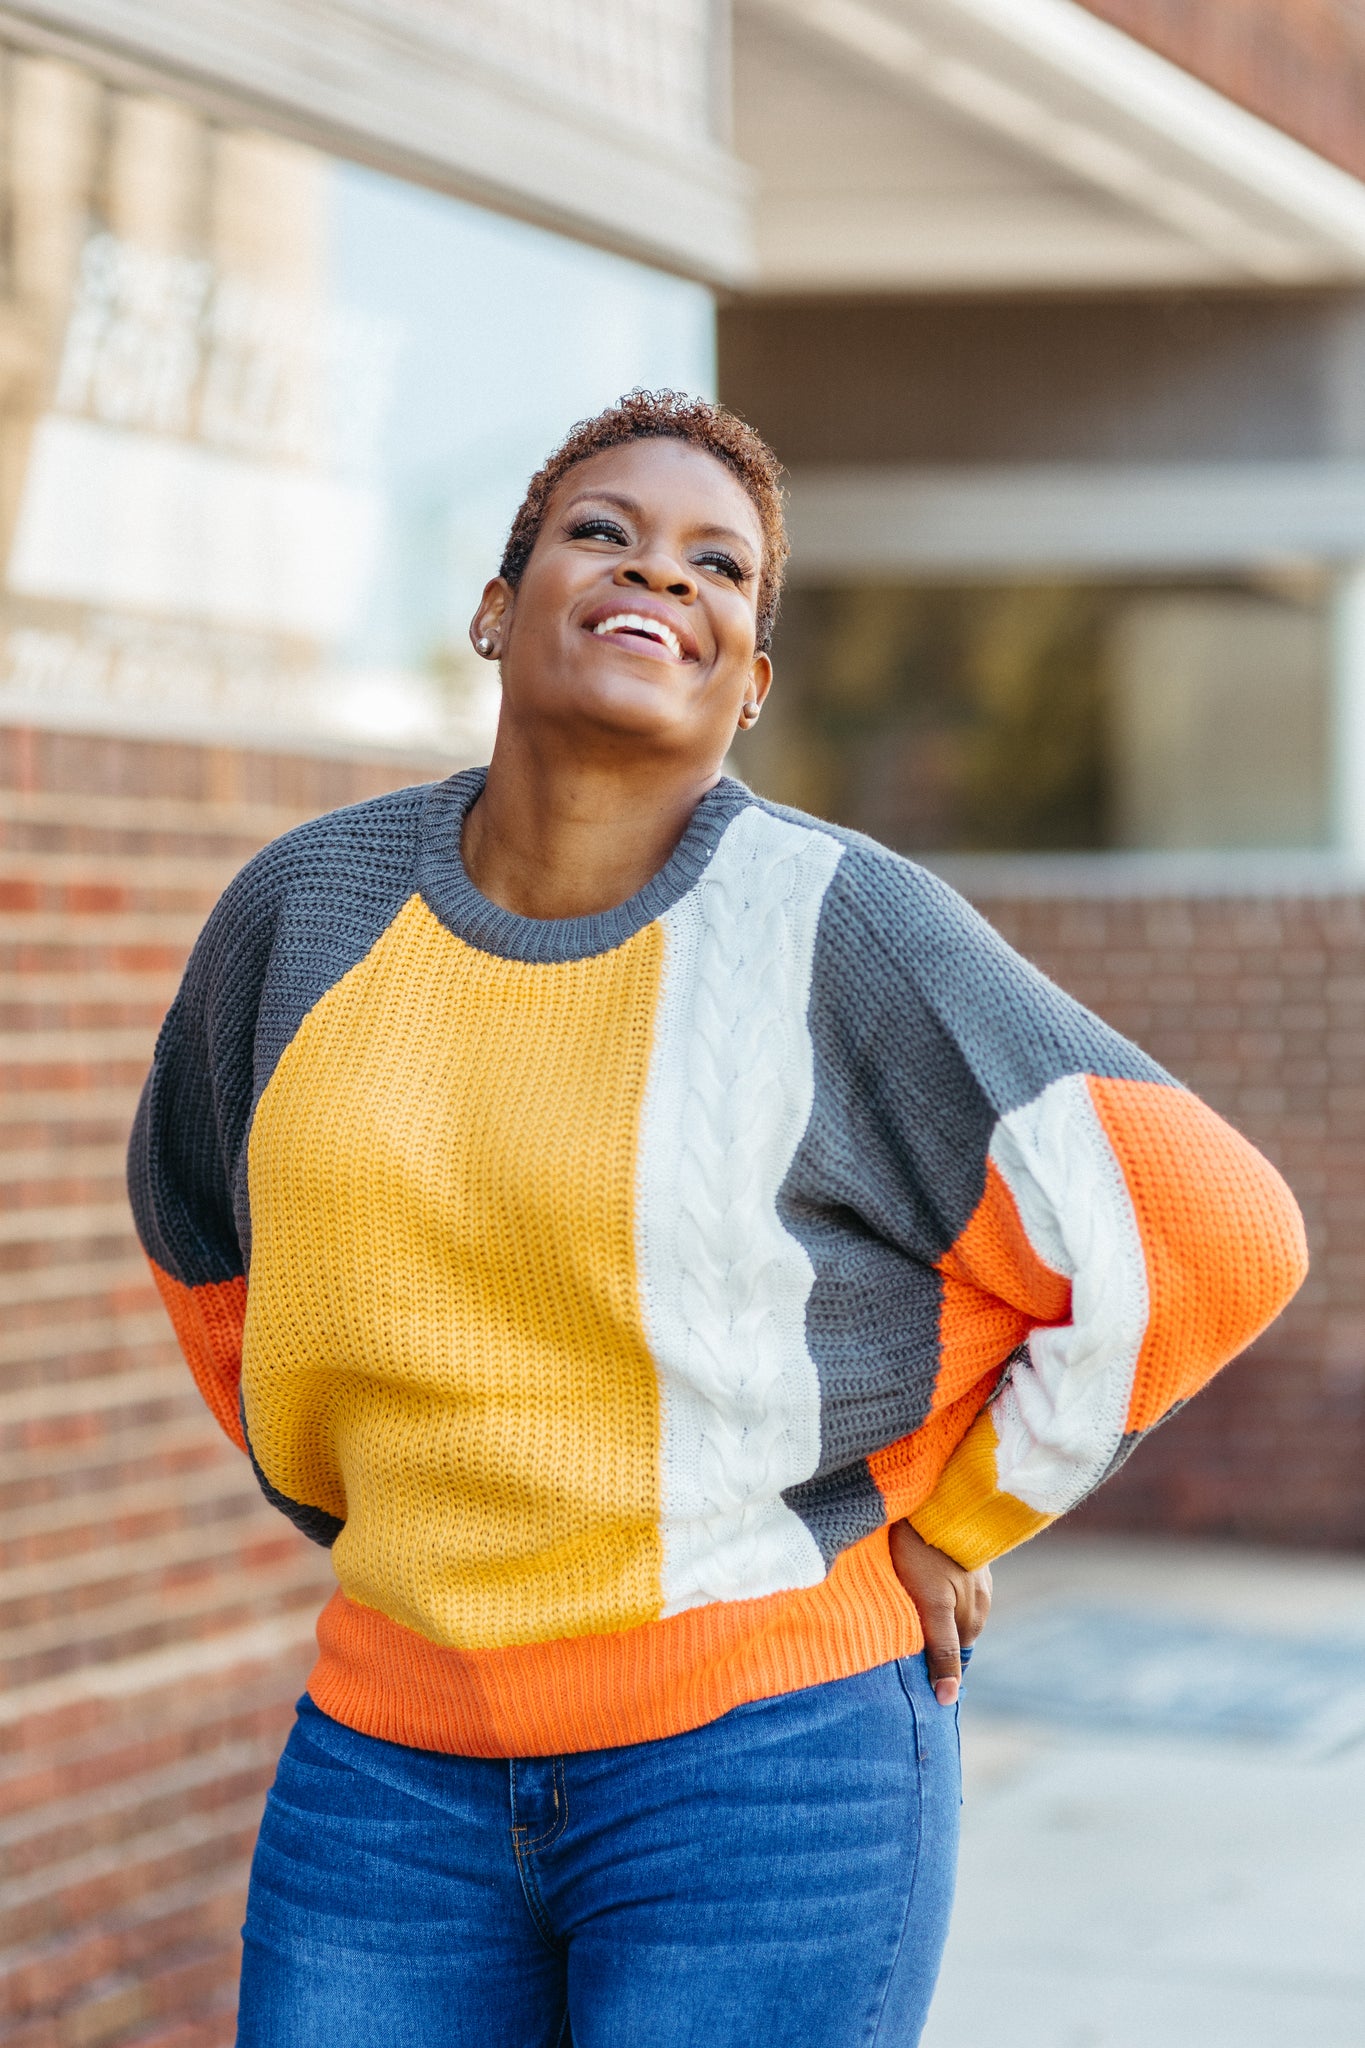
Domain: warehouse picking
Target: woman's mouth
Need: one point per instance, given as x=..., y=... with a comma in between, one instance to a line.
x=649, y=633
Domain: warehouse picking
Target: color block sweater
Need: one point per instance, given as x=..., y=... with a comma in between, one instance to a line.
x=601, y=1289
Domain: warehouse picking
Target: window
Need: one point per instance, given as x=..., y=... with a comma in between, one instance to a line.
x=266, y=417
x=1032, y=717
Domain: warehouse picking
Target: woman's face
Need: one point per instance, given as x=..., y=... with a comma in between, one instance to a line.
x=635, y=616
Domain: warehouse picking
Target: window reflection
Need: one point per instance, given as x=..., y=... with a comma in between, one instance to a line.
x=266, y=417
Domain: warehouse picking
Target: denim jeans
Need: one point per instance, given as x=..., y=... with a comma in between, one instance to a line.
x=782, y=1876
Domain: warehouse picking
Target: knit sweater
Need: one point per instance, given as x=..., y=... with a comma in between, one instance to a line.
x=601, y=1289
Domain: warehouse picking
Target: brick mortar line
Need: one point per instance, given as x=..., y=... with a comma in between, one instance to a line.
x=219, y=1542
x=64, y=1105
x=87, y=985
x=259, y=1643
x=66, y=1517
x=178, y=1607
x=140, y=1788
x=53, y=1048
x=188, y=1430
x=63, y=1220
x=126, y=1795
x=116, y=865
x=245, y=820
x=189, y=1833
x=126, y=1918
x=101, y=927
x=63, y=1283
x=186, y=1711
x=46, y=1402
x=89, y=1161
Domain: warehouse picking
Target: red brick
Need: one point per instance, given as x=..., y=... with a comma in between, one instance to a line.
x=1300, y=67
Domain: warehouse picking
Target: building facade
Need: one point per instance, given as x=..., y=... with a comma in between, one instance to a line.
x=1056, y=314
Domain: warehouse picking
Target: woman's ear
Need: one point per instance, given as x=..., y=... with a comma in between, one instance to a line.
x=488, y=627
x=759, y=684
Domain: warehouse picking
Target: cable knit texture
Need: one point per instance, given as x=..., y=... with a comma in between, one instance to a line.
x=725, y=1285
x=601, y=1289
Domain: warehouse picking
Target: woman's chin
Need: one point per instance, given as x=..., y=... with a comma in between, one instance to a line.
x=642, y=711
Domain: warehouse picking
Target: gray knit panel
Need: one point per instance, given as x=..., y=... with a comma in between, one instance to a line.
x=839, y=1508
x=926, y=1028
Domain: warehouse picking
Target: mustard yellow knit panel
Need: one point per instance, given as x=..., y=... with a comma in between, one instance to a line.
x=444, y=1343
x=967, y=1514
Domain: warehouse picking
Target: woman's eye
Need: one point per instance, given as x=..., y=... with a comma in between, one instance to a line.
x=726, y=564
x=598, y=529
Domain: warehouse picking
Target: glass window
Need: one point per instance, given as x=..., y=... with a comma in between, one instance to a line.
x=1033, y=717
x=267, y=416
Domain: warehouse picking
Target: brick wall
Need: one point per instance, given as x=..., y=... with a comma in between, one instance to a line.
x=1299, y=64
x=156, y=1616
x=1258, y=1003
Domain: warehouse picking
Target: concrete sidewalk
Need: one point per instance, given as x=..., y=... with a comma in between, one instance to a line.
x=1149, y=1885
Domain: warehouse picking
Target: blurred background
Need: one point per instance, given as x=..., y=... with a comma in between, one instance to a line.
x=1056, y=314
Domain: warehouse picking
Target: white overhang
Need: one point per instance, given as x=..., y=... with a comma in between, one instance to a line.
x=905, y=145
x=880, y=145
x=603, y=123
x=1072, y=519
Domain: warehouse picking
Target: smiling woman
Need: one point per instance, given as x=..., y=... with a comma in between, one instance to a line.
x=686, y=1246
x=635, y=601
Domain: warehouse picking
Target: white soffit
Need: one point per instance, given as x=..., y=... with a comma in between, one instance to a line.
x=860, y=524
x=601, y=124
x=979, y=144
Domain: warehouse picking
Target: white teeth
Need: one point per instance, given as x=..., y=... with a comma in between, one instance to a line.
x=635, y=622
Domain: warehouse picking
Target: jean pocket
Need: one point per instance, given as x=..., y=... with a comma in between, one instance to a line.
x=937, y=1733
x=938, y=1730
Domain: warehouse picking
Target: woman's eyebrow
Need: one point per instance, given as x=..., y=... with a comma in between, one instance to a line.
x=723, y=533
x=616, y=498
x=625, y=503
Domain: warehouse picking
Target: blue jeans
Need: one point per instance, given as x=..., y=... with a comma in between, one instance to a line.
x=781, y=1876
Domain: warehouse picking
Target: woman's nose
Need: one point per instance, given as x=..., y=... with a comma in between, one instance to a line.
x=661, y=574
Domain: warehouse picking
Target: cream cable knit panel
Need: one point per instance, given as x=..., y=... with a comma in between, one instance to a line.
x=725, y=1285
x=1059, y=1417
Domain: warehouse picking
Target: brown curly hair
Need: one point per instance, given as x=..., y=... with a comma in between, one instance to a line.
x=668, y=415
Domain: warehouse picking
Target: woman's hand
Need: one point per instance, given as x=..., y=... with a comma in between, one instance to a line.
x=953, y=1604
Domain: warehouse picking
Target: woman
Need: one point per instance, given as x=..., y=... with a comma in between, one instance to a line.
x=686, y=1246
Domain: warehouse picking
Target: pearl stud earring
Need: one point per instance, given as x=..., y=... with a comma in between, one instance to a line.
x=484, y=645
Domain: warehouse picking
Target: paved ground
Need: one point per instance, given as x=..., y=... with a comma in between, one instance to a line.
x=1144, y=1888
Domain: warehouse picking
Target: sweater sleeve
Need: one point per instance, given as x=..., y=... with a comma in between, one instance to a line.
x=186, y=1155
x=1109, y=1232
x=1175, y=1243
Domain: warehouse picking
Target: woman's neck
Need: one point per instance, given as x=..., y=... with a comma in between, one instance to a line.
x=562, y=837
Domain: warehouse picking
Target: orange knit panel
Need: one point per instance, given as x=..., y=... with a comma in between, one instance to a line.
x=995, y=1290
x=907, y=1472
x=1221, y=1235
x=595, y=1692
x=208, y=1324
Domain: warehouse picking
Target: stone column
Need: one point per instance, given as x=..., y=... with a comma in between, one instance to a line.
x=1347, y=757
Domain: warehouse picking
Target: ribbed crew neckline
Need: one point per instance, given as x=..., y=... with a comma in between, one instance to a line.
x=464, y=910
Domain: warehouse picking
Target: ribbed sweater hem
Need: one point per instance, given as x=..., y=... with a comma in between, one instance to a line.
x=603, y=1691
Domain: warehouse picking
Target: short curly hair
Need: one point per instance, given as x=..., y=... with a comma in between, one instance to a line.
x=674, y=416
